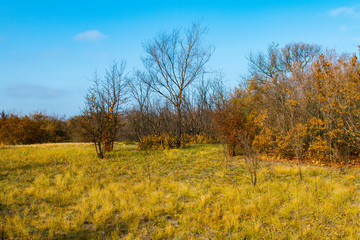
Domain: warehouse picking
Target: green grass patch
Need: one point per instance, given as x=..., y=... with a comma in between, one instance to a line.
x=63, y=191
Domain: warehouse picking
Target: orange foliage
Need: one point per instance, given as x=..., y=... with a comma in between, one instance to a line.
x=32, y=128
x=234, y=120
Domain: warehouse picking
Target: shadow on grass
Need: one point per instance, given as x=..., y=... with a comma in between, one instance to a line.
x=83, y=234
x=29, y=166
x=121, y=230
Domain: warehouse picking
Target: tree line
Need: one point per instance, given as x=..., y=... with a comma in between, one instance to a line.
x=297, y=101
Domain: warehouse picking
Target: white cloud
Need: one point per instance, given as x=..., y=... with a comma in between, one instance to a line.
x=90, y=35
x=349, y=11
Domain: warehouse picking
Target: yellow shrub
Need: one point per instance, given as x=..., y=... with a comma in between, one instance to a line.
x=264, y=141
x=284, y=146
x=167, y=141
x=319, y=150
x=158, y=142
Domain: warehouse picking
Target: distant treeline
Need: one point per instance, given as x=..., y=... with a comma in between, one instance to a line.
x=32, y=128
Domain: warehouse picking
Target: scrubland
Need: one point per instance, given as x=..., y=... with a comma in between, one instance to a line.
x=62, y=191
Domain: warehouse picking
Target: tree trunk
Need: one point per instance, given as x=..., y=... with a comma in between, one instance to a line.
x=100, y=150
x=231, y=149
x=179, y=126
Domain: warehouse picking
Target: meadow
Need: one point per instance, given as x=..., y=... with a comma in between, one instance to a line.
x=62, y=191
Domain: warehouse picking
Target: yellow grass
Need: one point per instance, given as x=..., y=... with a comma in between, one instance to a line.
x=62, y=191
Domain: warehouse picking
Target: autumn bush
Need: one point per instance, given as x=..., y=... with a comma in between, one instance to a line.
x=158, y=142
x=168, y=141
x=32, y=128
x=234, y=122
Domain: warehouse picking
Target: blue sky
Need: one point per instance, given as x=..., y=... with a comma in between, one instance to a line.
x=49, y=49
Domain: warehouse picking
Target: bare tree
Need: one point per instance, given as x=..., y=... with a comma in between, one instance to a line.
x=204, y=97
x=140, y=91
x=104, y=105
x=251, y=156
x=140, y=115
x=173, y=62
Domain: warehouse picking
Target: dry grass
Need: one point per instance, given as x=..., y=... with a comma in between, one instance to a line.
x=62, y=191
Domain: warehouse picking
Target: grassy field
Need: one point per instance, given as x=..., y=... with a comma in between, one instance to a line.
x=58, y=191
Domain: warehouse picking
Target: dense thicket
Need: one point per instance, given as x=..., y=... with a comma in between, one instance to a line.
x=298, y=102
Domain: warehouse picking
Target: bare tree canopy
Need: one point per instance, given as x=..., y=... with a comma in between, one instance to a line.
x=174, y=61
